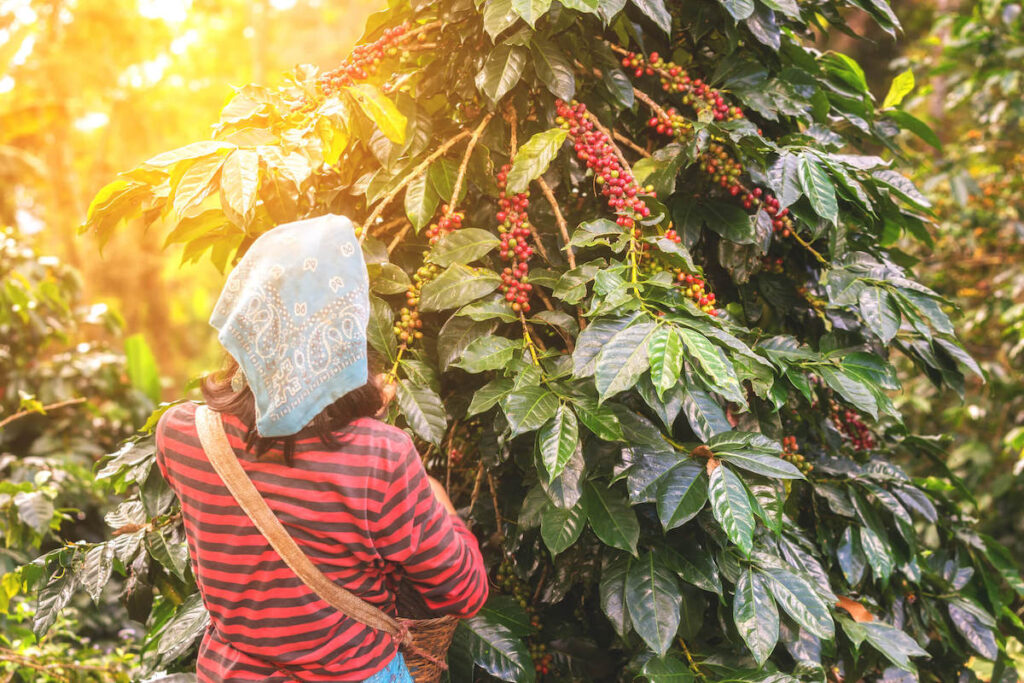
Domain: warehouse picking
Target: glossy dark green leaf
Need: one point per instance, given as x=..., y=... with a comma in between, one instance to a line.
x=496, y=649
x=456, y=286
x=623, y=359
x=850, y=389
x=529, y=408
x=766, y=465
x=502, y=71
x=705, y=416
x=533, y=158
x=880, y=313
x=654, y=600
x=739, y=9
x=590, y=343
x=851, y=557
x=696, y=566
x=420, y=202
x=558, y=440
x=186, y=627
x=667, y=670
x=731, y=507
x=755, y=615
x=656, y=11
x=553, y=68
x=801, y=602
x=681, y=493
x=896, y=645
x=531, y=10
x=390, y=279
x=53, y=598
x=614, y=570
x=818, y=188
x=456, y=334
x=488, y=353
x=730, y=221
x=976, y=626
x=423, y=410
x=720, y=370
x=462, y=246
x=611, y=517
x=498, y=16
x=876, y=551
x=665, y=352
x=560, y=528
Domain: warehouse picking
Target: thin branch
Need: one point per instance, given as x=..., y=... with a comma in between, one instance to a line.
x=806, y=245
x=632, y=145
x=540, y=584
x=646, y=99
x=398, y=237
x=423, y=29
x=559, y=219
x=465, y=159
x=53, y=406
x=415, y=173
x=611, y=142
x=497, y=509
x=477, y=485
x=511, y=117
x=386, y=226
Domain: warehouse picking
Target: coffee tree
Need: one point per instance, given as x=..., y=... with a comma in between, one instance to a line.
x=635, y=276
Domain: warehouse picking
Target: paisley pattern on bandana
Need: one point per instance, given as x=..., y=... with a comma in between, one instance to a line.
x=295, y=320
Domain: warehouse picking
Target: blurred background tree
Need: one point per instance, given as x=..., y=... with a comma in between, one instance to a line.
x=94, y=86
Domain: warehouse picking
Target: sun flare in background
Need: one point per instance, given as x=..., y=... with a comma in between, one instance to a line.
x=91, y=87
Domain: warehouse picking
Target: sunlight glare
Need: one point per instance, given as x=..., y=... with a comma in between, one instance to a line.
x=171, y=11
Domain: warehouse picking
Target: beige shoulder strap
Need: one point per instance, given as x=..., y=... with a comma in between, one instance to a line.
x=222, y=457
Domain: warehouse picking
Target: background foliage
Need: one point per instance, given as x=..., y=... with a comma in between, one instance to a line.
x=613, y=557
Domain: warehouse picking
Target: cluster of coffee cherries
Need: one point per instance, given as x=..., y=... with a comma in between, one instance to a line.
x=725, y=170
x=597, y=151
x=773, y=265
x=791, y=454
x=361, y=64
x=514, y=228
x=409, y=326
x=509, y=582
x=696, y=287
x=848, y=423
x=364, y=60
x=674, y=79
x=541, y=657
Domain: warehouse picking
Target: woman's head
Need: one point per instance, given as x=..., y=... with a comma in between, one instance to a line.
x=226, y=396
x=294, y=315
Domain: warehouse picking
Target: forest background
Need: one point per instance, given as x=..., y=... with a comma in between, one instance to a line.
x=89, y=88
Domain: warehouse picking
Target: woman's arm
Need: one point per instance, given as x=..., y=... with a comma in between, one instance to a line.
x=441, y=495
x=418, y=530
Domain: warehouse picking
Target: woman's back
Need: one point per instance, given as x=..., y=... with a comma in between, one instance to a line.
x=363, y=512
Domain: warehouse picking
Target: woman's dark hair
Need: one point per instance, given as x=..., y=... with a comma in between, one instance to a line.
x=365, y=401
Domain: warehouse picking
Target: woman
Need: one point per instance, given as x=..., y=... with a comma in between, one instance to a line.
x=298, y=405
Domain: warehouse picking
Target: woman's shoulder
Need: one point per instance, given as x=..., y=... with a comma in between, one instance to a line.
x=178, y=417
x=372, y=432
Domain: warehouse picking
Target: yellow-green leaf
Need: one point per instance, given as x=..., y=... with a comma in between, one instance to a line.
x=381, y=110
x=901, y=86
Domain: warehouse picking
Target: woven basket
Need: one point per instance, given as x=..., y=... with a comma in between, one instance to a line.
x=431, y=636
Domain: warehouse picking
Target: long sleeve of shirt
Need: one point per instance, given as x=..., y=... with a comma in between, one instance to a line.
x=436, y=551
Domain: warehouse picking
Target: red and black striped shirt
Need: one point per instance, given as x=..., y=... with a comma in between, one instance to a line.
x=361, y=512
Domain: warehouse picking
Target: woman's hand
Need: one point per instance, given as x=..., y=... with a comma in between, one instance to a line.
x=441, y=494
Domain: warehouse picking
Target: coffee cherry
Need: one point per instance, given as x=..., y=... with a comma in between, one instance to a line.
x=515, y=248
x=790, y=453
